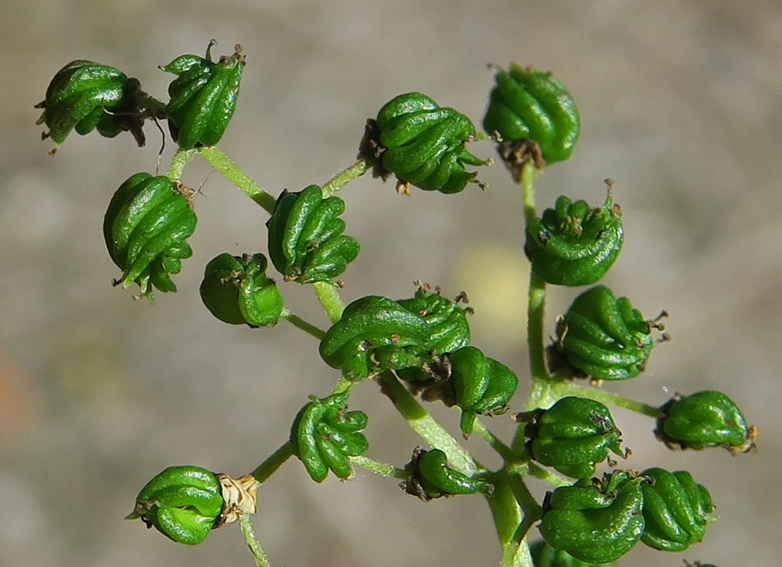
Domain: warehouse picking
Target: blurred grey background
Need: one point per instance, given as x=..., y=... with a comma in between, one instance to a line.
x=681, y=106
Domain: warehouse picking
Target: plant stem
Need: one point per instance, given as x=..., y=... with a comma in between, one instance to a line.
x=178, y=163
x=273, y=462
x=330, y=300
x=508, y=521
x=548, y=476
x=300, y=323
x=344, y=177
x=382, y=469
x=425, y=425
x=494, y=442
x=568, y=388
x=232, y=173
x=252, y=541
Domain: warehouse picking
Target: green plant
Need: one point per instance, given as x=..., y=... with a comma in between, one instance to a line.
x=419, y=345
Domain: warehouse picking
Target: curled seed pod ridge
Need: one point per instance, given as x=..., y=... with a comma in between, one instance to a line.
x=543, y=555
x=605, y=337
x=574, y=244
x=423, y=144
x=306, y=243
x=236, y=290
x=324, y=434
x=145, y=228
x=573, y=435
x=676, y=510
x=446, y=320
x=183, y=503
x=203, y=96
x=593, y=520
x=432, y=477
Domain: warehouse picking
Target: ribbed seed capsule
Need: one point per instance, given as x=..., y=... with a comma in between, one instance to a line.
x=574, y=244
x=605, y=337
x=236, y=290
x=203, y=96
x=596, y=521
x=374, y=334
x=182, y=502
x=306, y=243
x=675, y=509
x=482, y=385
x=423, y=144
x=446, y=320
x=145, y=228
x=324, y=435
x=431, y=477
x=573, y=435
x=705, y=419
x=543, y=555
x=529, y=104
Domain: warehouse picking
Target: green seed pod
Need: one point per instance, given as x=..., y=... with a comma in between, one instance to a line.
x=145, y=228
x=236, y=290
x=573, y=435
x=306, y=243
x=675, y=510
x=431, y=477
x=596, y=521
x=203, y=96
x=605, y=337
x=324, y=435
x=423, y=144
x=482, y=385
x=183, y=503
x=446, y=319
x=705, y=419
x=543, y=555
x=86, y=96
x=528, y=104
x=374, y=334
x=573, y=244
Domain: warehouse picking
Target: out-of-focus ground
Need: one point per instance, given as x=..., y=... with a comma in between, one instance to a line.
x=681, y=106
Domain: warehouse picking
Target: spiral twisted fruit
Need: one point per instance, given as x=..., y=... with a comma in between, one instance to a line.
x=306, y=243
x=85, y=96
x=529, y=104
x=432, y=477
x=596, y=521
x=482, y=385
x=324, y=435
x=145, y=228
x=374, y=334
x=573, y=435
x=705, y=419
x=446, y=320
x=675, y=509
x=236, y=290
x=203, y=96
x=574, y=244
x=605, y=337
x=423, y=144
x=543, y=555
x=183, y=503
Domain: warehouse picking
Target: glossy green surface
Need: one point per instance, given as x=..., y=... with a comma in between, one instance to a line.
x=543, y=555
x=182, y=502
x=530, y=104
x=573, y=435
x=605, y=337
x=445, y=319
x=145, y=228
x=438, y=479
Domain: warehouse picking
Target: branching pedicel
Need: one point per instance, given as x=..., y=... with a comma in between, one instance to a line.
x=419, y=345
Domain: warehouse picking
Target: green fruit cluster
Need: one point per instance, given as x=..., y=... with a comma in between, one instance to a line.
x=236, y=290
x=574, y=244
x=184, y=503
x=423, y=143
x=306, y=243
x=605, y=337
x=145, y=228
x=543, y=555
x=324, y=435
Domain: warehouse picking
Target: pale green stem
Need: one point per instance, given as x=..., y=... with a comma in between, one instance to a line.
x=426, y=427
x=568, y=388
x=330, y=300
x=274, y=462
x=381, y=469
x=178, y=163
x=300, y=323
x=252, y=541
x=232, y=173
x=508, y=521
x=494, y=442
x=343, y=385
x=344, y=177
x=547, y=476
